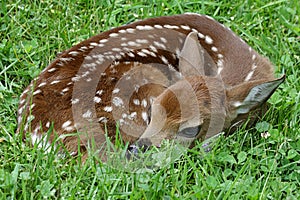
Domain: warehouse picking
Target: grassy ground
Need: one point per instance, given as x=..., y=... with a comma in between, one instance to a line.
x=242, y=166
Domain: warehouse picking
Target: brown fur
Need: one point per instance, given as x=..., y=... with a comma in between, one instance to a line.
x=54, y=106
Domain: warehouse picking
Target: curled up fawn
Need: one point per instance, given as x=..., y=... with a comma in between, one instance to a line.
x=184, y=77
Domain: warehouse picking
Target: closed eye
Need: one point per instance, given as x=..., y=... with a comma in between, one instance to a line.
x=190, y=132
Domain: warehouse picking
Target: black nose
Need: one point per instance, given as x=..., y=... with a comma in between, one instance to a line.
x=133, y=149
x=141, y=146
x=132, y=152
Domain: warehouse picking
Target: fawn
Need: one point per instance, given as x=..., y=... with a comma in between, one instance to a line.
x=182, y=77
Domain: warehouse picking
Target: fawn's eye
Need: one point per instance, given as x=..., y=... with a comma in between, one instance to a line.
x=190, y=132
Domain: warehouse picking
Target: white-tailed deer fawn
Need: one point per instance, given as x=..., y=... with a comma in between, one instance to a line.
x=182, y=77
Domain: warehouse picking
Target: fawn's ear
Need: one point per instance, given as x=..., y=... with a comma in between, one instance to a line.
x=258, y=94
x=191, y=58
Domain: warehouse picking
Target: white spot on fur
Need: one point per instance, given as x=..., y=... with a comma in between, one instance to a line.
x=42, y=84
x=122, y=31
x=103, y=41
x=121, y=122
x=220, y=56
x=200, y=35
x=107, y=108
x=35, y=138
x=160, y=45
x=208, y=40
x=171, y=26
x=65, y=60
x=144, y=28
x=132, y=116
x=25, y=91
x=142, y=41
x=158, y=26
x=30, y=118
x=19, y=120
x=99, y=92
x=136, y=102
x=130, y=54
x=74, y=101
x=22, y=101
x=249, y=76
x=36, y=130
x=253, y=57
x=83, y=48
x=51, y=69
x=141, y=54
x=134, y=44
x=117, y=101
x=194, y=30
x=164, y=40
x=66, y=124
x=146, y=51
x=164, y=59
x=87, y=114
x=21, y=109
x=37, y=92
x=130, y=30
x=102, y=119
x=32, y=106
x=185, y=27
x=47, y=125
x=153, y=48
x=116, y=90
x=144, y=103
x=89, y=58
x=145, y=117
x=65, y=90
x=214, y=49
x=73, y=53
x=93, y=44
x=97, y=99
x=41, y=142
x=69, y=128
x=54, y=82
x=116, y=49
x=113, y=35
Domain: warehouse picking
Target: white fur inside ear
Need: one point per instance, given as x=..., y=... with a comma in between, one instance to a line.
x=191, y=58
x=258, y=95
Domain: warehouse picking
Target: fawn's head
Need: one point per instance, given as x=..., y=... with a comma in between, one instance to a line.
x=200, y=105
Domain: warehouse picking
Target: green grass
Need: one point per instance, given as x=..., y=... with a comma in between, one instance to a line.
x=242, y=166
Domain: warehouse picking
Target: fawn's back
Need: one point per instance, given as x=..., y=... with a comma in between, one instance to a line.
x=179, y=77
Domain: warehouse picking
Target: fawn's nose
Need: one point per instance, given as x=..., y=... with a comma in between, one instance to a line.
x=141, y=146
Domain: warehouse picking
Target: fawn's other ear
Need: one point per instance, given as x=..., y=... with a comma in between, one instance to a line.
x=191, y=58
x=256, y=94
